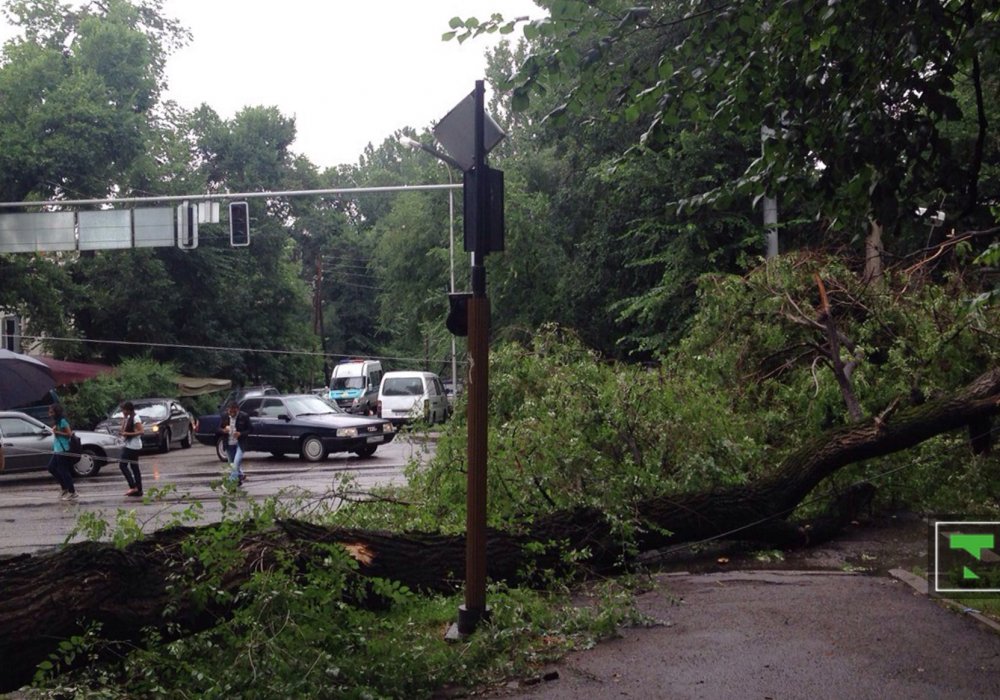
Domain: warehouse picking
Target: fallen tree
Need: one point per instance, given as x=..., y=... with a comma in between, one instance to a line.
x=47, y=597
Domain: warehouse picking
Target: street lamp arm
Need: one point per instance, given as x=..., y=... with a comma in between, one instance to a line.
x=417, y=145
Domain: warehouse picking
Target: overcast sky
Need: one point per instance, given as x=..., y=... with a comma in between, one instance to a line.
x=350, y=72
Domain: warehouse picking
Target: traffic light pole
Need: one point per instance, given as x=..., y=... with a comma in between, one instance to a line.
x=475, y=608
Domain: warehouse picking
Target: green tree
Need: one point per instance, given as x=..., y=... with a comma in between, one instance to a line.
x=860, y=93
x=656, y=114
x=254, y=297
x=79, y=90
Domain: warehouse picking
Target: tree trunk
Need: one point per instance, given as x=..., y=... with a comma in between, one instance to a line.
x=46, y=597
x=873, y=254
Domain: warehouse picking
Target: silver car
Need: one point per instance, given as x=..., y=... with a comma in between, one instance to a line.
x=27, y=445
x=164, y=422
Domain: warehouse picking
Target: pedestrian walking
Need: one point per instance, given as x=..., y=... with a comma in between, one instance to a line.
x=236, y=426
x=60, y=466
x=131, y=431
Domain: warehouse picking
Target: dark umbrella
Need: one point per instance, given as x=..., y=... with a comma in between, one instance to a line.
x=23, y=379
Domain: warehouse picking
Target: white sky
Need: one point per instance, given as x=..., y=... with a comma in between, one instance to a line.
x=350, y=72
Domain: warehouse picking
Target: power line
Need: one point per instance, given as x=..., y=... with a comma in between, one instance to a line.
x=340, y=283
x=220, y=348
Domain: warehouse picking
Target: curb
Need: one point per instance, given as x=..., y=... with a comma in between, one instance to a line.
x=920, y=585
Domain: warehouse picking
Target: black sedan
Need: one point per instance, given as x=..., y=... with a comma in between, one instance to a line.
x=27, y=445
x=309, y=426
x=164, y=422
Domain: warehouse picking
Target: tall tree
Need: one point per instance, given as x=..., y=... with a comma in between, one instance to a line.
x=860, y=92
x=78, y=92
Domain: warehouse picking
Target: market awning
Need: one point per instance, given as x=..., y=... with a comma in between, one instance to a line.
x=66, y=372
x=195, y=386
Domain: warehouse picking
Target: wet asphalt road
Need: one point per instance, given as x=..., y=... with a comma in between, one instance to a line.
x=32, y=518
x=786, y=634
x=833, y=623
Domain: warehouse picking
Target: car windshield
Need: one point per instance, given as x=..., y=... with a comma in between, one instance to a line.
x=348, y=383
x=308, y=406
x=403, y=386
x=154, y=411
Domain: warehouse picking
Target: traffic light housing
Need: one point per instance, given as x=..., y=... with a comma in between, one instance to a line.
x=457, y=322
x=239, y=224
x=493, y=236
x=187, y=226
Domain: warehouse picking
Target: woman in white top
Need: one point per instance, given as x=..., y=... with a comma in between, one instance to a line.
x=131, y=430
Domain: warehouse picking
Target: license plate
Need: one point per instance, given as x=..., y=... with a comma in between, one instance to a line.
x=376, y=438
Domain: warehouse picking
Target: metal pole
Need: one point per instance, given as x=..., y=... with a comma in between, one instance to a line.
x=224, y=195
x=451, y=256
x=478, y=388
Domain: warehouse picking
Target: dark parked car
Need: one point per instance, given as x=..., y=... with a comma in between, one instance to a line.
x=27, y=445
x=164, y=422
x=301, y=424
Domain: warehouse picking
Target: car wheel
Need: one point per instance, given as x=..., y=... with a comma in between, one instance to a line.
x=186, y=440
x=165, y=441
x=313, y=449
x=220, y=450
x=366, y=451
x=88, y=464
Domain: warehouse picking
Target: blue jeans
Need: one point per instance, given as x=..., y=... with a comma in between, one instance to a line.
x=62, y=470
x=129, y=465
x=235, y=453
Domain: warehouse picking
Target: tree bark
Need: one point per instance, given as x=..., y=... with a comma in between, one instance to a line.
x=47, y=597
x=873, y=254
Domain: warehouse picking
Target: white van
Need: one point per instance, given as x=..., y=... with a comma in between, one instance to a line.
x=410, y=396
x=354, y=385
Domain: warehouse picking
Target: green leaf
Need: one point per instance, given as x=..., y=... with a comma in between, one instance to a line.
x=519, y=100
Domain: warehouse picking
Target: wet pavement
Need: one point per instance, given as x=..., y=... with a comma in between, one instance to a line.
x=829, y=622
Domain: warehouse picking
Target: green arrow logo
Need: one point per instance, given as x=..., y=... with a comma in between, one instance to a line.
x=973, y=544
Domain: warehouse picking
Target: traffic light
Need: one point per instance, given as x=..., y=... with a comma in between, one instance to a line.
x=457, y=322
x=493, y=236
x=239, y=224
x=187, y=226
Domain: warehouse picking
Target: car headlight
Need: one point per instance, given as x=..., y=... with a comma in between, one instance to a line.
x=347, y=432
x=388, y=427
x=154, y=429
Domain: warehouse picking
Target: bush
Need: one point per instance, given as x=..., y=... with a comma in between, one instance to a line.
x=132, y=379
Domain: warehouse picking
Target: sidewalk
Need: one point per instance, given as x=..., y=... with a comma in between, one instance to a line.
x=813, y=634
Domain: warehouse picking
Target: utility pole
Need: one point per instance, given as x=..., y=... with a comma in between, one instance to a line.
x=479, y=393
x=318, y=328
